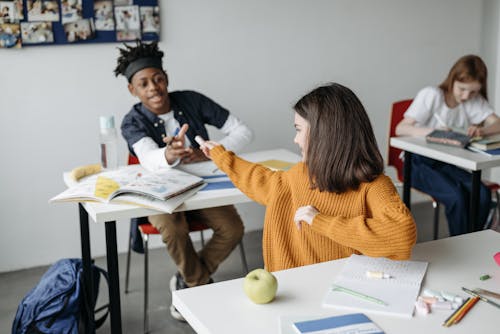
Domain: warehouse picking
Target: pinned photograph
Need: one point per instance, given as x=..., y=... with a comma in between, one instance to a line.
x=11, y=11
x=130, y=35
x=150, y=19
x=78, y=31
x=6, y=11
x=42, y=10
x=10, y=35
x=103, y=15
x=37, y=32
x=18, y=10
x=123, y=2
x=71, y=11
x=127, y=18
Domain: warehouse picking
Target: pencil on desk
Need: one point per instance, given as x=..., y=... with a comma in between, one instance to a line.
x=449, y=321
x=358, y=294
x=466, y=309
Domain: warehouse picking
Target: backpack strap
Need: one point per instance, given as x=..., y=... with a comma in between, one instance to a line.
x=85, y=302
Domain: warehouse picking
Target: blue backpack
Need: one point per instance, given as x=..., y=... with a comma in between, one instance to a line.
x=57, y=304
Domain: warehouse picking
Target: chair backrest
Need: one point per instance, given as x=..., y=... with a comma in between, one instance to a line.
x=132, y=160
x=397, y=112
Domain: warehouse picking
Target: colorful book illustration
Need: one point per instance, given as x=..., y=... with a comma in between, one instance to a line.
x=134, y=185
x=390, y=296
x=356, y=323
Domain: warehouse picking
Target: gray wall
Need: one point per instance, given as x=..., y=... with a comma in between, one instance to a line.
x=254, y=57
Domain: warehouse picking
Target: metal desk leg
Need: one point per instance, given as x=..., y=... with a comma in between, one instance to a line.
x=407, y=180
x=114, y=281
x=474, y=200
x=89, y=323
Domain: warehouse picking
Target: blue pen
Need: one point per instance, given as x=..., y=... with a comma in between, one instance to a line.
x=176, y=132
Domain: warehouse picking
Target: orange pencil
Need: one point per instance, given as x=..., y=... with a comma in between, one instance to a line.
x=449, y=321
x=472, y=302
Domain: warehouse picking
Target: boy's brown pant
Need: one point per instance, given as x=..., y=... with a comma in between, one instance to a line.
x=196, y=268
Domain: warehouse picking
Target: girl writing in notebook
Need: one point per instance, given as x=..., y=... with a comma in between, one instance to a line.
x=336, y=201
x=461, y=101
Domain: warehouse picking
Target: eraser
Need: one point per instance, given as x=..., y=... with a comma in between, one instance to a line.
x=428, y=300
x=422, y=307
x=484, y=277
x=199, y=140
x=433, y=293
x=497, y=258
x=377, y=274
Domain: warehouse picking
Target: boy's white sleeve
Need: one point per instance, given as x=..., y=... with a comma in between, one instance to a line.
x=151, y=156
x=237, y=134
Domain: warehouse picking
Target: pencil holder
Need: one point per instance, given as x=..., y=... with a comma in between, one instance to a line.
x=497, y=258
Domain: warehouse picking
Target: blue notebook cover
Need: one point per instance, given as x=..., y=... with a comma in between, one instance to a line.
x=356, y=323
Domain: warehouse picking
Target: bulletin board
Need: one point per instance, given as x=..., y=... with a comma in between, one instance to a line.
x=25, y=23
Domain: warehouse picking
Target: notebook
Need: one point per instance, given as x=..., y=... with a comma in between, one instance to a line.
x=398, y=293
x=356, y=323
x=450, y=138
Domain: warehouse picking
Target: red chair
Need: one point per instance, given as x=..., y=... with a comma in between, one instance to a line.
x=395, y=160
x=395, y=154
x=146, y=230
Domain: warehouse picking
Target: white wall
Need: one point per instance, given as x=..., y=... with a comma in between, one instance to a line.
x=254, y=57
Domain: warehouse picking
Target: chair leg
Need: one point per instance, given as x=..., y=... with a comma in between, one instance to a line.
x=243, y=258
x=202, y=239
x=436, y=206
x=146, y=283
x=491, y=221
x=127, y=272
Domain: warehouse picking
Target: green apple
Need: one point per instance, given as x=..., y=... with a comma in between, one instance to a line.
x=260, y=286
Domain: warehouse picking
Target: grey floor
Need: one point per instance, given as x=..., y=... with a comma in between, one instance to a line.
x=14, y=285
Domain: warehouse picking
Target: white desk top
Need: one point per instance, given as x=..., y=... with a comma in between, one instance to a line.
x=101, y=213
x=454, y=155
x=453, y=263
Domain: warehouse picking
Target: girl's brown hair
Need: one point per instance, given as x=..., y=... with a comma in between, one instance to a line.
x=466, y=69
x=342, y=151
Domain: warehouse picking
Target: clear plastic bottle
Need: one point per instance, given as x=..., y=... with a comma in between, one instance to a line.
x=108, y=142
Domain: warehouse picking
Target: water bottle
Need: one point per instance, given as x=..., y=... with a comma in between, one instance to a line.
x=109, y=142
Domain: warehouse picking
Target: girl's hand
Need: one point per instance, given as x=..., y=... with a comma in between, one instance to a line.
x=305, y=214
x=206, y=145
x=175, y=146
x=475, y=131
x=193, y=155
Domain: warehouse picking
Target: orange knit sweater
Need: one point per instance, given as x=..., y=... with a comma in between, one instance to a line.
x=371, y=220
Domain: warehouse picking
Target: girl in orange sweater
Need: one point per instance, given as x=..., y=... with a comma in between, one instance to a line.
x=336, y=201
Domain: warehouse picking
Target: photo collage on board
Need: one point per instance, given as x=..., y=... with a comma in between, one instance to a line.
x=39, y=22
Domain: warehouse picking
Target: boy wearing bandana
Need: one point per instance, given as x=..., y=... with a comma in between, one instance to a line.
x=160, y=132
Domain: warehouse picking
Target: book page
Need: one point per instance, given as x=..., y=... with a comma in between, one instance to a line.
x=167, y=206
x=399, y=292
x=161, y=184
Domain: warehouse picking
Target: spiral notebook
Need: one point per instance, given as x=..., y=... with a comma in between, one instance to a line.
x=398, y=293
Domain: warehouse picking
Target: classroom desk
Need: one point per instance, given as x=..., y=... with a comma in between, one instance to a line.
x=110, y=213
x=472, y=161
x=454, y=262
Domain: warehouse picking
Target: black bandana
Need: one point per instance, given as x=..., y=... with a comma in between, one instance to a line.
x=140, y=64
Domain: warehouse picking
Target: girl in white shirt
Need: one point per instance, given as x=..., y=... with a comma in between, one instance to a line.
x=461, y=101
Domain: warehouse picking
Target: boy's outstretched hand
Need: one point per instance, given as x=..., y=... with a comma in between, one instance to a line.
x=175, y=145
x=206, y=145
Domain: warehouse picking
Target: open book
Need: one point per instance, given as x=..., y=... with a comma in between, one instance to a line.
x=394, y=295
x=133, y=184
